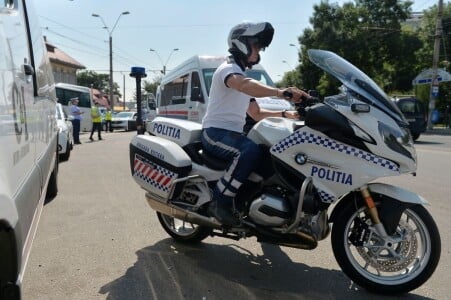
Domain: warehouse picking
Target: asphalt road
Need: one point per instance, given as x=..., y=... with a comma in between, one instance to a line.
x=98, y=239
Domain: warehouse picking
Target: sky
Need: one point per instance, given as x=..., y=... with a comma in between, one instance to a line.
x=195, y=27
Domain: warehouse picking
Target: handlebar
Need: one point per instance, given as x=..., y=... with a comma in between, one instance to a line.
x=312, y=99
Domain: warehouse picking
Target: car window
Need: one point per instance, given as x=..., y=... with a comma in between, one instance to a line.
x=409, y=106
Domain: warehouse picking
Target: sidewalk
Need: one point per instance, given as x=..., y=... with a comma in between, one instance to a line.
x=439, y=131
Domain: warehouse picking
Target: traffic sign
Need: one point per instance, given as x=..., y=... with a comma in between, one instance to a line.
x=425, y=77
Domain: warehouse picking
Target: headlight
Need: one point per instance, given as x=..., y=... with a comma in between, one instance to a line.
x=396, y=139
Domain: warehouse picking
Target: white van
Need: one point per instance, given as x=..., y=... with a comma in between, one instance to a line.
x=183, y=92
x=28, y=139
x=65, y=92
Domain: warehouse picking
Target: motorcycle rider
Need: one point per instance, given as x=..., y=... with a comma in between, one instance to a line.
x=225, y=117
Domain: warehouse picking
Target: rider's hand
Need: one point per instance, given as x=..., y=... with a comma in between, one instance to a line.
x=291, y=114
x=295, y=95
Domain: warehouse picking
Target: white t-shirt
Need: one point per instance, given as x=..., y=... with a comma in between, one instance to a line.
x=227, y=107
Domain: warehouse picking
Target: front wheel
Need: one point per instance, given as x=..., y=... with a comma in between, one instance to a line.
x=183, y=231
x=394, y=265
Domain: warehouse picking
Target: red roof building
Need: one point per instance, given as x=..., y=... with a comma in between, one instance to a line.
x=64, y=67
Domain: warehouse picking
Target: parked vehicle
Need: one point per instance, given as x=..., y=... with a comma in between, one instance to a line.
x=65, y=92
x=65, y=133
x=183, y=92
x=28, y=139
x=124, y=120
x=415, y=113
x=382, y=236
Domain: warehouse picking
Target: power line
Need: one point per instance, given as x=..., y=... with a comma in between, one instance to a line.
x=120, y=59
x=69, y=28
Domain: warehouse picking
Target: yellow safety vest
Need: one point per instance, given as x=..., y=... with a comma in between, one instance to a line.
x=108, y=115
x=96, y=117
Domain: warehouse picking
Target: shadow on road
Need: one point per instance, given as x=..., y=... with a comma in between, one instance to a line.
x=423, y=142
x=168, y=270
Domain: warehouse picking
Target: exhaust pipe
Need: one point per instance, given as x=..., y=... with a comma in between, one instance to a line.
x=181, y=214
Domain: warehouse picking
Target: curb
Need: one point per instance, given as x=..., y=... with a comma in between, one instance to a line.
x=438, y=131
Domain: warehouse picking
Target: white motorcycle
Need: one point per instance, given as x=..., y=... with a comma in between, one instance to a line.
x=382, y=236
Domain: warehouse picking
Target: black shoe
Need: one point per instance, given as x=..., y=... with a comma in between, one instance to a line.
x=91, y=139
x=223, y=213
x=77, y=143
x=100, y=139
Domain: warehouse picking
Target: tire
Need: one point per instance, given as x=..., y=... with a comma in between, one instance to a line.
x=52, y=187
x=419, y=246
x=65, y=156
x=182, y=231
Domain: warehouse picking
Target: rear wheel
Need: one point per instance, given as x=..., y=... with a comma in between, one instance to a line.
x=65, y=156
x=52, y=187
x=393, y=265
x=183, y=231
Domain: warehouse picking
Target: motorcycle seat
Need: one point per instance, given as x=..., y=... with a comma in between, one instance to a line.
x=199, y=156
x=213, y=162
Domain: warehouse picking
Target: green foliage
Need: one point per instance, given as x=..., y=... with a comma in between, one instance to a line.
x=367, y=33
x=98, y=81
x=425, y=54
x=373, y=35
x=150, y=87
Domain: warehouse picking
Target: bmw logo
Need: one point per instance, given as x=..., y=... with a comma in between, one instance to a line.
x=300, y=158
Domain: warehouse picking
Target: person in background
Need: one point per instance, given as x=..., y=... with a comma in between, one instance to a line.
x=222, y=126
x=108, y=119
x=96, y=122
x=76, y=114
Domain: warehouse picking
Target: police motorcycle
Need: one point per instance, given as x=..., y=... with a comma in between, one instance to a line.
x=382, y=236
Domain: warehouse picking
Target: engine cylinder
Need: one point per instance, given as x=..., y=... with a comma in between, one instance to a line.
x=269, y=210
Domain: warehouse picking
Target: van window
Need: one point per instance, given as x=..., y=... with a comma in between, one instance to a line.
x=196, y=88
x=64, y=96
x=208, y=77
x=260, y=76
x=7, y=3
x=175, y=91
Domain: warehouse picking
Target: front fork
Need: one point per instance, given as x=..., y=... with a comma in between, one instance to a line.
x=372, y=210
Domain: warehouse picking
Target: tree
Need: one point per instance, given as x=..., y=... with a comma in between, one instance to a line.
x=150, y=87
x=367, y=33
x=425, y=54
x=98, y=81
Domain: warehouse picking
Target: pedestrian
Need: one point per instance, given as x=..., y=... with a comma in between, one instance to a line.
x=76, y=114
x=96, y=121
x=108, y=119
x=222, y=126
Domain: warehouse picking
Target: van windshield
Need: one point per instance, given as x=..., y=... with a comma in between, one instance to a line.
x=258, y=75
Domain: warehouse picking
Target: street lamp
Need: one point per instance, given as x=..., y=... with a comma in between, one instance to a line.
x=298, y=49
x=159, y=57
x=110, y=34
x=293, y=45
x=284, y=61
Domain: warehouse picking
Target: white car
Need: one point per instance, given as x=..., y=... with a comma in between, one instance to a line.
x=65, y=133
x=124, y=120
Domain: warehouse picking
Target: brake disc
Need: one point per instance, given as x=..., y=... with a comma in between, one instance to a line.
x=383, y=260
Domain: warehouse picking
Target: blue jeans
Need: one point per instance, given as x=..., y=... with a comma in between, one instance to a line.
x=243, y=155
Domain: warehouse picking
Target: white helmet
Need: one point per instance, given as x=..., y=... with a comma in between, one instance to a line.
x=244, y=35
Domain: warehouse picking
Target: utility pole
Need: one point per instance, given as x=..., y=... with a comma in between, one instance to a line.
x=435, y=82
x=123, y=85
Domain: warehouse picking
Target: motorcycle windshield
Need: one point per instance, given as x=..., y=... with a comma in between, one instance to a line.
x=355, y=80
